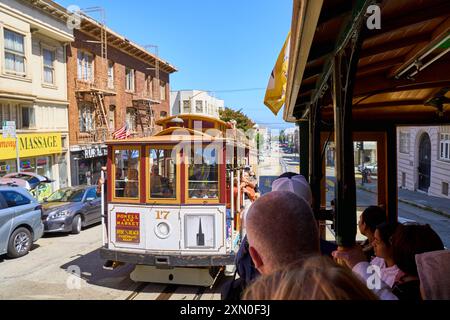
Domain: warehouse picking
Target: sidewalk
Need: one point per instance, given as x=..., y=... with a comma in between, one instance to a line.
x=437, y=205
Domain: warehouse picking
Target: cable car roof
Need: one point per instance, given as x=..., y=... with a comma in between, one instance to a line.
x=403, y=73
x=186, y=116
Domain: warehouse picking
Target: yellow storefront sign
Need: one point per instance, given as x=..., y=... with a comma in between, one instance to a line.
x=31, y=145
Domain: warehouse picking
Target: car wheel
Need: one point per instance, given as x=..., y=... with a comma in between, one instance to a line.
x=76, y=224
x=19, y=243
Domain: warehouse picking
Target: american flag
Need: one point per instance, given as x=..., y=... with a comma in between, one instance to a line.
x=122, y=133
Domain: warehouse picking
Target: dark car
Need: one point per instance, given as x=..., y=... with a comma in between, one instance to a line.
x=70, y=209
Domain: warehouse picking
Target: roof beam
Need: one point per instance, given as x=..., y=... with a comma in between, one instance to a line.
x=378, y=66
x=394, y=45
x=392, y=103
x=437, y=36
x=425, y=79
x=409, y=19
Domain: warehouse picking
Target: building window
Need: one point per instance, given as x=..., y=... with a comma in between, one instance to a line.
x=403, y=180
x=27, y=117
x=163, y=90
x=445, y=188
x=85, y=66
x=112, y=117
x=198, y=106
x=111, y=74
x=131, y=119
x=404, y=142
x=49, y=66
x=149, y=85
x=186, y=106
x=129, y=79
x=444, y=146
x=14, y=52
x=86, y=118
x=5, y=113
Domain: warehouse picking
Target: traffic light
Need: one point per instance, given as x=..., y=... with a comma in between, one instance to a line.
x=360, y=145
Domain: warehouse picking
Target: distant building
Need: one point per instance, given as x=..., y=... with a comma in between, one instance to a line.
x=33, y=89
x=195, y=101
x=423, y=155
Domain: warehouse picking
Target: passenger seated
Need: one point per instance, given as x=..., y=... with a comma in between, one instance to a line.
x=408, y=241
x=433, y=268
x=155, y=183
x=296, y=183
x=287, y=218
x=382, y=245
x=316, y=278
x=368, y=221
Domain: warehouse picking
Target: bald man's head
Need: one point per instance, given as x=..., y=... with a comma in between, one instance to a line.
x=281, y=229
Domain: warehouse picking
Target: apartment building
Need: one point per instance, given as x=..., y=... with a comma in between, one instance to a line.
x=125, y=84
x=195, y=101
x=33, y=90
x=423, y=156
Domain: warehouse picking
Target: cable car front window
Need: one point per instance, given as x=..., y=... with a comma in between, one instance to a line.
x=163, y=174
x=203, y=174
x=126, y=179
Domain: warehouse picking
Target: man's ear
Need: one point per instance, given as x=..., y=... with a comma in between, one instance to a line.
x=257, y=260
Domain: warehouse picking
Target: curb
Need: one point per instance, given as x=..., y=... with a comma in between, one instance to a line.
x=411, y=203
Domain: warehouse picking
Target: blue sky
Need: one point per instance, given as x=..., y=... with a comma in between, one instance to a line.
x=216, y=45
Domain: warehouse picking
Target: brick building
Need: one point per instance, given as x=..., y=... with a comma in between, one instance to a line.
x=125, y=84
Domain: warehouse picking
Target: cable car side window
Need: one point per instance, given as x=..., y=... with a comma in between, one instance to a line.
x=126, y=173
x=163, y=174
x=203, y=173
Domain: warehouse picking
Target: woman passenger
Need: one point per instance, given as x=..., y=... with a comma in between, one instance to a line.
x=384, y=259
x=408, y=241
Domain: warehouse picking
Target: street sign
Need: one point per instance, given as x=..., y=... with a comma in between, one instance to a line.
x=9, y=129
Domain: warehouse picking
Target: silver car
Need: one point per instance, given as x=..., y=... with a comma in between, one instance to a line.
x=20, y=221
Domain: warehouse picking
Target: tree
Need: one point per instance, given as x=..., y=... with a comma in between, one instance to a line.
x=282, y=137
x=242, y=121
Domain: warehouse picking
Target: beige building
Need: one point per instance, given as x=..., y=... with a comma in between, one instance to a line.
x=33, y=89
x=424, y=159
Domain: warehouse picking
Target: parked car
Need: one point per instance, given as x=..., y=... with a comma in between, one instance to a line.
x=70, y=209
x=20, y=221
x=372, y=168
x=37, y=185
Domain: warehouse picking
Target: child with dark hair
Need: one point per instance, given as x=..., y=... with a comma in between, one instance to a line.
x=368, y=221
x=408, y=241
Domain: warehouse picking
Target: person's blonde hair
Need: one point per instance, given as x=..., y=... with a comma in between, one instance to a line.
x=316, y=278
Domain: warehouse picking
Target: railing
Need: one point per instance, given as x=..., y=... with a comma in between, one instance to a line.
x=96, y=83
x=94, y=136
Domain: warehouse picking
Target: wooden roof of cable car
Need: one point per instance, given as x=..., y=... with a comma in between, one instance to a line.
x=172, y=135
x=166, y=120
x=408, y=29
x=175, y=135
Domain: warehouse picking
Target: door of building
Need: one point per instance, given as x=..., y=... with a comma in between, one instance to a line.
x=424, y=162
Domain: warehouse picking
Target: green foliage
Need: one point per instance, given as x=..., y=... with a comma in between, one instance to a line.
x=242, y=121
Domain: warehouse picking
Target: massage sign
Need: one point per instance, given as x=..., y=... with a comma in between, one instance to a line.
x=127, y=227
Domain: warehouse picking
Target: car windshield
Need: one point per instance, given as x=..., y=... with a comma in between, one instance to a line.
x=66, y=195
x=31, y=180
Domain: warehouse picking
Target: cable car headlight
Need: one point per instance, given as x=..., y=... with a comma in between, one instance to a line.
x=162, y=230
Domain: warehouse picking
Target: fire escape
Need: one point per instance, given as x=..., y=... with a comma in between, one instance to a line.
x=143, y=102
x=94, y=89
